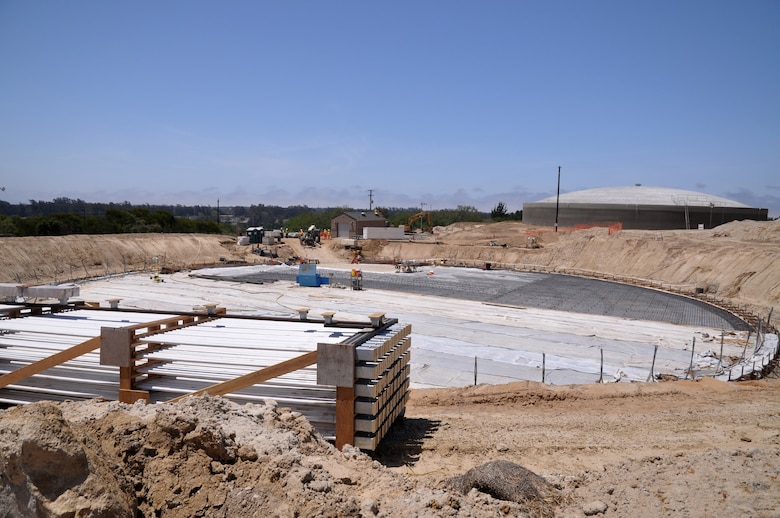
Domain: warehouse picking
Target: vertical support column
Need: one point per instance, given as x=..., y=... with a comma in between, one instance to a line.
x=345, y=416
x=127, y=392
x=125, y=379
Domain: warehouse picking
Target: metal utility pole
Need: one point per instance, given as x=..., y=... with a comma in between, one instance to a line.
x=217, y=211
x=371, y=199
x=557, y=198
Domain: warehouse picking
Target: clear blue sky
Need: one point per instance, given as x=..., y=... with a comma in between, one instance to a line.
x=441, y=103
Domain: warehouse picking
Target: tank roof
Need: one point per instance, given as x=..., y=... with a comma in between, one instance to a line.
x=643, y=195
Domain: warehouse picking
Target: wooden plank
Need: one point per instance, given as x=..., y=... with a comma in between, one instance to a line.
x=131, y=396
x=259, y=376
x=49, y=362
x=345, y=416
x=169, y=324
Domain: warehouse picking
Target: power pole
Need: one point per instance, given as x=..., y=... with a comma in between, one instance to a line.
x=217, y=211
x=557, y=198
x=371, y=199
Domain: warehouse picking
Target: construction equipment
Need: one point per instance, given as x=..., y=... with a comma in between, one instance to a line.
x=422, y=217
x=408, y=266
x=533, y=242
x=311, y=237
x=265, y=252
x=357, y=279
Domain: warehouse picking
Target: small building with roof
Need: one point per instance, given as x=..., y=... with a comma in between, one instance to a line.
x=639, y=207
x=351, y=224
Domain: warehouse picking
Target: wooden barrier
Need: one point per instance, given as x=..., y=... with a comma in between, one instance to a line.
x=49, y=362
x=120, y=347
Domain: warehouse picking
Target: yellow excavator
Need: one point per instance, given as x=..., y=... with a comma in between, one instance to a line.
x=425, y=222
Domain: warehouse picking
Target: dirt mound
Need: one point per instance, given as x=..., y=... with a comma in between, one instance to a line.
x=199, y=457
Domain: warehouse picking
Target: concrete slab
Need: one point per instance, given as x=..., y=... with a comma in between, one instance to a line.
x=449, y=332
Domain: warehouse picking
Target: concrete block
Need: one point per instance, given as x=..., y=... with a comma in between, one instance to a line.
x=115, y=346
x=60, y=292
x=336, y=364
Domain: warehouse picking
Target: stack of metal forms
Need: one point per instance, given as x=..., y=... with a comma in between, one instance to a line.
x=171, y=358
x=382, y=384
x=185, y=360
x=38, y=334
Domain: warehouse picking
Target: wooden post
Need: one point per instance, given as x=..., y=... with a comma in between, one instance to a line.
x=475, y=371
x=131, y=396
x=543, y=358
x=345, y=416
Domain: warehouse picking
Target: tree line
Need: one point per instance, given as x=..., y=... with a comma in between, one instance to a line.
x=64, y=216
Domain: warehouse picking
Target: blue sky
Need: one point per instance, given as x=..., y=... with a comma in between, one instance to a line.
x=441, y=103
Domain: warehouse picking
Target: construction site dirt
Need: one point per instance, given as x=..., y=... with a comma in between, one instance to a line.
x=685, y=448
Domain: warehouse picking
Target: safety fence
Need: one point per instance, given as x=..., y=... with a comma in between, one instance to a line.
x=759, y=356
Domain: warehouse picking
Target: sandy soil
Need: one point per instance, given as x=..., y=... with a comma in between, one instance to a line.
x=737, y=261
x=671, y=449
x=702, y=448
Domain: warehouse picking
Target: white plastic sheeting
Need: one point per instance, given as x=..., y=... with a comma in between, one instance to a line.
x=508, y=342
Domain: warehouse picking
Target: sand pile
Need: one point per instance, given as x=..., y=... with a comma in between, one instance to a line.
x=200, y=457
